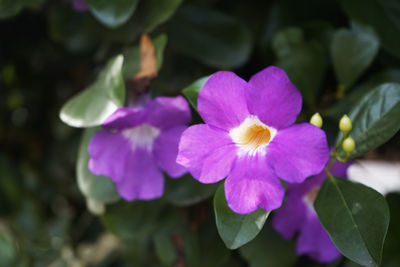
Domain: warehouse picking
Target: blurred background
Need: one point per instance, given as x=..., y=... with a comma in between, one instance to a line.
x=52, y=49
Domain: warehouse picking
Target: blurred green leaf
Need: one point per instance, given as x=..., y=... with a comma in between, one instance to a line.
x=8, y=254
x=192, y=91
x=352, y=52
x=112, y=13
x=187, y=191
x=130, y=220
x=100, y=188
x=304, y=62
x=93, y=105
x=165, y=249
x=376, y=118
x=10, y=8
x=236, y=229
x=269, y=249
x=214, y=38
x=159, y=45
x=356, y=218
x=383, y=16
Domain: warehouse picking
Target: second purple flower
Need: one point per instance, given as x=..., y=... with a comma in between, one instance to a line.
x=136, y=144
x=249, y=137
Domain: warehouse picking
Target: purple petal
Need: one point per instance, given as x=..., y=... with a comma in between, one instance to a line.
x=340, y=169
x=252, y=184
x=142, y=179
x=207, y=152
x=315, y=242
x=289, y=219
x=168, y=112
x=124, y=118
x=166, y=150
x=221, y=102
x=80, y=5
x=109, y=154
x=273, y=98
x=298, y=152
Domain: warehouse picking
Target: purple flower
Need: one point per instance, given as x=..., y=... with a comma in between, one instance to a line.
x=249, y=137
x=298, y=215
x=80, y=5
x=136, y=144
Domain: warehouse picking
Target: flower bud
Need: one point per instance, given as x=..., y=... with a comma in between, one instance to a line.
x=348, y=145
x=316, y=120
x=345, y=124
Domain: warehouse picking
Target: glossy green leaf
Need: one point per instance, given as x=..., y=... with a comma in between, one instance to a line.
x=383, y=16
x=344, y=105
x=269, y=249
x=192, y=91
x=112, y=13
x=99, y=188
x=236, y=229
x=93, y=105
x=187, y=191
x=376, y=118
x=352, y=52
x=303, y=61
x=214, y=38
x=356, y=218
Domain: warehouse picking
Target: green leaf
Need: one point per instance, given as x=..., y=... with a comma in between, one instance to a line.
x=269, y=249
x=382, y=16
x=344, y=105
x=376, y=118
x=8, y=253
x=99, y=188
x=214, y=38
x=112, y=13
x=236, y=229
x=304, y=62
x=9, y=8
x=356, y=218
x=93, y=105
x=352, y=52
x=130, y=220
x=192, y=91
x=391, y=256
x=187, y=191
x=159, y=45
x=165, y=249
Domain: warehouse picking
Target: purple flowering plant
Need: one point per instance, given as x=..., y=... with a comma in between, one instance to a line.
x=252, y=145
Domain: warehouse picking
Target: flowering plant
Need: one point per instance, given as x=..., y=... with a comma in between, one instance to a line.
x=200, y=133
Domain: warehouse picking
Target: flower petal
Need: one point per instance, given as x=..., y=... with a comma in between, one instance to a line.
x=142, y=179
x=167, y=112
x=315, y=242
x=207, y=152
x=289, y=219
x=166, y=150
x=273, y=98
x=252, y=184
x=221, y=102
x=298, y=152
x=109, y=155
x=124, y=118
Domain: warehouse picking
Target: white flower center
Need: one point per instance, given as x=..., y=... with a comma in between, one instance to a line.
x=141, y=136
x=252, y=136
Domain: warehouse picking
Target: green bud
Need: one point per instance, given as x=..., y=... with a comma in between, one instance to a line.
x=316, y=120
x=345, y=124
x=348, y=145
